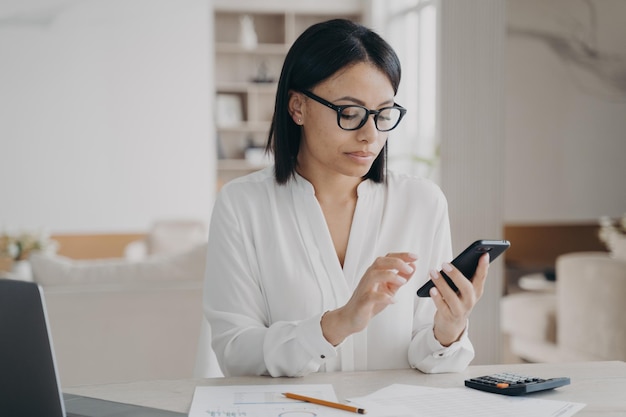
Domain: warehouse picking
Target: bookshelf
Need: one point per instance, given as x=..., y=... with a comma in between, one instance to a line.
x=247, y=68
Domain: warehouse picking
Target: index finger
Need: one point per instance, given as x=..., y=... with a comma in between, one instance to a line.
x=405, y=256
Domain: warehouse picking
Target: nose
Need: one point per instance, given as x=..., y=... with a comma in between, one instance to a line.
x=368, y=132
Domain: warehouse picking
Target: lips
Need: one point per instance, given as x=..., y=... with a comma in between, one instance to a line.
x=361, y=154
x=361, y=157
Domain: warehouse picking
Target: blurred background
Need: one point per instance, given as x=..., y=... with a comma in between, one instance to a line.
x=118, y=114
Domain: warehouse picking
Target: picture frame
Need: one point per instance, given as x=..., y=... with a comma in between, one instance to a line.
x=228, y=110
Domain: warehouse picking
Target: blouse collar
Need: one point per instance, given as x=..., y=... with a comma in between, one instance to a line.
x=303, y=185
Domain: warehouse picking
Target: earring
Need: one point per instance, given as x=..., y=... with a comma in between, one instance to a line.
x=299, y=121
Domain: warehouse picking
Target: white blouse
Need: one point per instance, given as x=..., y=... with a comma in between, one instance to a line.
x=272, y=271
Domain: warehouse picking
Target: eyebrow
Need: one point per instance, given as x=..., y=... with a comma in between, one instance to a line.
x=362, y=103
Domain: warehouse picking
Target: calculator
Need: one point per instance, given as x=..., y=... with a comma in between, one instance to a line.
x=508, y=383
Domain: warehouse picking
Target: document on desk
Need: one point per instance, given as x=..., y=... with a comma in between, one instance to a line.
x=263, y=401
x=439, y=402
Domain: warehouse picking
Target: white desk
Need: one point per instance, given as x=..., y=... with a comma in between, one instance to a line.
x=601, y=385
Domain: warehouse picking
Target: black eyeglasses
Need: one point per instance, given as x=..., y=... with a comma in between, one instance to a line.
x=353, y=117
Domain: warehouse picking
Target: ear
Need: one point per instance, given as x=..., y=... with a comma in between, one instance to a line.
x=296, y=107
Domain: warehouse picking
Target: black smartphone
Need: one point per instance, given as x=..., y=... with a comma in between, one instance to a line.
x=467, y=261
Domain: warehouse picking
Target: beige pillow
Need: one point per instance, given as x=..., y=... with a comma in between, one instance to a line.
x=170, y=236
x=58, y=270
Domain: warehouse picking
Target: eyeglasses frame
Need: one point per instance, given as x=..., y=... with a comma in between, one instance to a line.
x=339, y=109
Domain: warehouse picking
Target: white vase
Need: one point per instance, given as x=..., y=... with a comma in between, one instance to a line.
x=247, y=34
x=22, y=270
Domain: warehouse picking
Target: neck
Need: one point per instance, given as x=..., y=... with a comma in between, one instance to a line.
x=333, y=188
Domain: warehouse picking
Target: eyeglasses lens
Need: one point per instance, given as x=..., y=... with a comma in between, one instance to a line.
x=353, y=117
x=388, y=118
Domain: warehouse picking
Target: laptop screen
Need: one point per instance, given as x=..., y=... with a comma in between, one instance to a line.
x=28, y=379
x=29, y=382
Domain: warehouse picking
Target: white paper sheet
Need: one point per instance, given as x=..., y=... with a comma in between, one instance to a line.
x=263, y=401
x=443, y=402
x=396, y=400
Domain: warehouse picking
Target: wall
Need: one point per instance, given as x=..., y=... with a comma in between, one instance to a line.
x=101, y=100
x=566, y=111
x=105, y=118
x=471, y=125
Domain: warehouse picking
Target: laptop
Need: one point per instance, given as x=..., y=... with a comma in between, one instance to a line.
x=29, y=383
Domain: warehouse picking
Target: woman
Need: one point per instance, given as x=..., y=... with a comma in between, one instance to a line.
x=313, y=264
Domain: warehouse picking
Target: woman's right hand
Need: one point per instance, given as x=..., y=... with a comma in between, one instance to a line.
x=375, y=291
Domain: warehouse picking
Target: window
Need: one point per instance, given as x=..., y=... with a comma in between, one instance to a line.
x=410, y=27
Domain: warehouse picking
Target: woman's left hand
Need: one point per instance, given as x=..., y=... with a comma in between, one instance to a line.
x=453, y=308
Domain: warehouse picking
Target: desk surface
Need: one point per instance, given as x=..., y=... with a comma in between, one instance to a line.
x=600, y=385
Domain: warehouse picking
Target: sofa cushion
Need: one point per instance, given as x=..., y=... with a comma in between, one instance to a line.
x=58, y=270
x=169, y=236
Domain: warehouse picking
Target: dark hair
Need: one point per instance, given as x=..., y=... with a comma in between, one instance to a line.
x=319, y=52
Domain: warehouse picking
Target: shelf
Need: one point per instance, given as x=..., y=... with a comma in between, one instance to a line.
x=269, y=29
x=245, y=107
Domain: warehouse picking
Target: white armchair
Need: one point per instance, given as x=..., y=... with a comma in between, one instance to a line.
x=581, y=321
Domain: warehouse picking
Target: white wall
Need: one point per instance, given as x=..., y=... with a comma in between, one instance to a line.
x=566, y=111
x=105, y=119
x=470, y=122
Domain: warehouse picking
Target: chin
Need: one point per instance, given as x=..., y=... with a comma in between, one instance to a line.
x=357, y=173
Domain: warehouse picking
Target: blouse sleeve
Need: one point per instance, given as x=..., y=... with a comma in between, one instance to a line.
x=244, y=340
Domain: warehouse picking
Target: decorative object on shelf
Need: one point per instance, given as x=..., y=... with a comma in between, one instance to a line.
x=256, y=155
x=228, y=110
x=613, y=233
x=262, y=74
x=247, y=35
